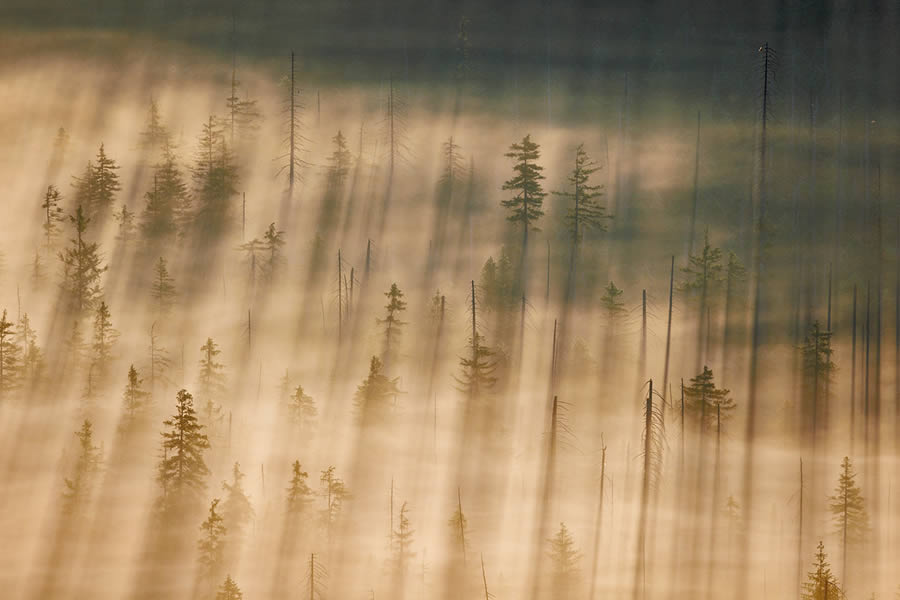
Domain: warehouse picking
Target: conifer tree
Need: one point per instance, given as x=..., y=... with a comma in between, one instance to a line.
x=76, y=348
x=160, y=363
x=134, y=397
x=105, y=337
x=215, y=179
x=85, y=188
x=299, y=497
x=81, y=266
x=53, y=216
x=477, y=377
x=32, y=357
x=392, y=322
x=155, y=134
x=229, y=590
x=273, y=246
x=38, y=275
x=612, y=304
x=818, y=373
x=820, y=583
x=564, y=558
x=237, y=510
x=302, y=408
x=251, y=250
x=459, y=527
x=212, y=543
x=105, y=184
x=127, y=227
x=79, y=486
x=848, y=510
x=339, y=162
x=243, y=114
x=162, y=290
x=211, y=380
x=167, y=209
x=334, y=492
x=9, y=357
x=704, y=270
x=585, y=213
x=182, y=471
x=526, y=204
x=403, y=540
x=704, y=399
x=374, y=395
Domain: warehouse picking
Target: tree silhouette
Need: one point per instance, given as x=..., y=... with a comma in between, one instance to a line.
x=182, y=471
x=81, y=266
x=155, y=135
x=704, y=399
x=374, y=395
x=526, y=204
x=229, y=590
x=612, y=305
x=584, y=213
x=211, y=379
x=391, y=322
x=818, y=373
x=212, y=543
x=704, y=270
x=237, y=510
x=334, y=492
x=273, y=246
x=339, y=162
x=87, y=465
x=127, y=228
x=53, y=216
x=134, y=397
x=167, y=209
x=243, y=115
x=820, y=583
x=215, y=179
x=105, y=337
x=403, y=539
x=32, y=358
x=162, y=290
x=848, y=510
x=96, y=189
x=9, y=356
x=564, y=559
x=299, y=497
x=302, y=408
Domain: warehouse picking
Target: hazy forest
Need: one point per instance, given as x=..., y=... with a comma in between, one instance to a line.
x=326, y=300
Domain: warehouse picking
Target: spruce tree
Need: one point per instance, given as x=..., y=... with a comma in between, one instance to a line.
x=105, y=184
x=162, y=290
x=526, y=204
x=215, y=179
x=182, y=471
x=154, y=135
x=334, y=492
x=820, y=583
x=273, y=246
x=9, y=357
x=229, y=590
x=299, y=496
x=392, y=323
x=32, y=357
x=564, y=559
x=477, y=369
x=81, y=266
x=105, y=337
x=127, y=227
x=212, y=543
x=53, y=216
x=848, y=510
x=403, y=540
x=237, y=510
x=302, y=408
x=704, y=270
x=704, y=399
x=612, y=304
x=251, y=250
x=243, y=114
x=134, y=397
x=211, y=379
x=374, y=395
x=339, y=163
x=78, y=487
x=167, y=209
x=584, y=213
x=818, y=374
